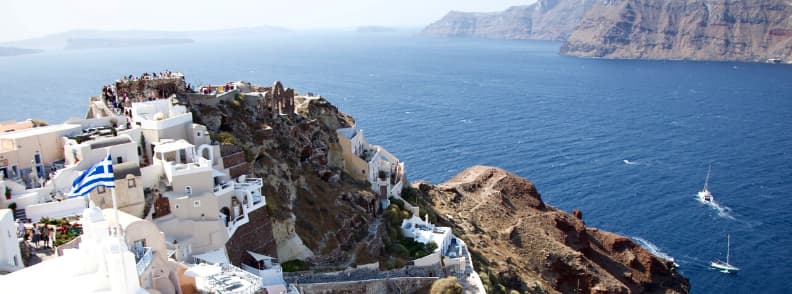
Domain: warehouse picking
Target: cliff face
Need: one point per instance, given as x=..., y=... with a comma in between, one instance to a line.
x=311, y=203
x=520, y=243
x=543, y=20
x=745, y=30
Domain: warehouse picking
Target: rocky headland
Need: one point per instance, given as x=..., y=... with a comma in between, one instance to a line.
x=725, y=30
x=520, y=243
x=542, y=20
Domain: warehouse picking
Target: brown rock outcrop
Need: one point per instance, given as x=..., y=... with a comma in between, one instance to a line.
x=522, y=244
x=743, y=30
x=297, y=154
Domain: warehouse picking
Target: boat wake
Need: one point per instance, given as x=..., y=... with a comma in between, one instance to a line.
x=723, y=211
x=627, y=162
x=652, y=248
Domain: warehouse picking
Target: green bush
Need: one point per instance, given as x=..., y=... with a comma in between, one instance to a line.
x=295, y=266
x=399, y=250
x=224, y=137
x=398, y=202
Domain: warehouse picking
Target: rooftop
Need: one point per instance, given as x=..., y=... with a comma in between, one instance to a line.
x=38, y=131
x=111, y=141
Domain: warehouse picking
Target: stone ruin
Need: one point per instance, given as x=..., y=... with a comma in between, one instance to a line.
x=280, y=100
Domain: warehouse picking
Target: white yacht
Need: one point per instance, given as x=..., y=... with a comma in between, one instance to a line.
x=704, y=195
x=725, y=267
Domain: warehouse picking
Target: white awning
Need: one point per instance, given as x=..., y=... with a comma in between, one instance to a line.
x=214, y=257
x=259, y=257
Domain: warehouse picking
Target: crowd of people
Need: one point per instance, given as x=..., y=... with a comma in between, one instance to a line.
x=209, y=89
x=35, y=234
x=152, y=76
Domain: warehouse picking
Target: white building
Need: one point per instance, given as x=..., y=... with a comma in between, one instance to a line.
x=223, y=278
x=424, y=232
x=10, y=256
x=162, y=119
x=102, y=264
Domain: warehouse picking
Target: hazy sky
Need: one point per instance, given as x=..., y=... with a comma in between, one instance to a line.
x=31, y=18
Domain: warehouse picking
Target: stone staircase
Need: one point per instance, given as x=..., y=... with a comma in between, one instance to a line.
x=20, y=214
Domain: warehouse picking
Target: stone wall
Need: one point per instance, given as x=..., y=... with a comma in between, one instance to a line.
x=234, y=159
x=255, y=236
x=397, y=285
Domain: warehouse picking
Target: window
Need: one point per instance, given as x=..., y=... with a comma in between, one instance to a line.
x=131, y=183
x=198, y=134
x=188, y=190
x=101, y=189
x=177, y=206
x=119, y=159
x=197, y=203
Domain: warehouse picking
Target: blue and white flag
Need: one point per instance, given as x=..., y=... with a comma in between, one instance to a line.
x=100, y=174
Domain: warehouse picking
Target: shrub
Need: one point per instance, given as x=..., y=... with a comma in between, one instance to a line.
x=295, y=266
x=399, y=250
x=448, y=285
x=224, y=137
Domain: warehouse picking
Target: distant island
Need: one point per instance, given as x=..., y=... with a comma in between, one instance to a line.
x=91, y=43
x=740, y=30
x=87, y=39
x=375, y=29
x=13, y=51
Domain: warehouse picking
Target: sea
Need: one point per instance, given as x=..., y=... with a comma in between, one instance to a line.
x=628, y=142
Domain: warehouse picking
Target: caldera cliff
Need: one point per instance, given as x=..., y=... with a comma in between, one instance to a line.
x=542, y=20
x=740, y=30
x=520, y=243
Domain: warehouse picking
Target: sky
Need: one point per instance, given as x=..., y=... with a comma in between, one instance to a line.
x=32, y=18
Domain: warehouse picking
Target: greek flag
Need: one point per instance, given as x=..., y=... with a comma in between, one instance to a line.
x=100, y=174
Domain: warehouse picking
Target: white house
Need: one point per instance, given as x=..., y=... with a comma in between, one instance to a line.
x=101, y=264
x=10, y=256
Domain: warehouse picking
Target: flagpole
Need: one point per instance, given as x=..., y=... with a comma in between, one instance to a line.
x=120, y=236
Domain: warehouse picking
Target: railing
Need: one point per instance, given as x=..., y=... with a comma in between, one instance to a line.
x=144, y=261
x=250, y=183
x=224, y=187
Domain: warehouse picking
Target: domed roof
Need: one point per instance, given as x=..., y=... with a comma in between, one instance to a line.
x=92, y=215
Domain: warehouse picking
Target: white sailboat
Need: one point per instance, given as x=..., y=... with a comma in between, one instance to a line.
x=725, y=267
x=704, y=195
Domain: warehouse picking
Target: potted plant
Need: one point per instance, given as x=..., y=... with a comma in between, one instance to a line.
x=7, y=193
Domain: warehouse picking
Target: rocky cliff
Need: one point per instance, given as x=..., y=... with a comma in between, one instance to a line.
x=312, y=211
x=744, y=30
x=543, y=20
x=520, y=243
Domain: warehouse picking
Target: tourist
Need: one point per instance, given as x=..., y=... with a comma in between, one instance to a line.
x=36, y=235
x=20, y=229
x=45, y=235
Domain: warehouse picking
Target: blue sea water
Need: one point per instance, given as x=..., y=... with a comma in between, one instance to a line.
x=627, y=142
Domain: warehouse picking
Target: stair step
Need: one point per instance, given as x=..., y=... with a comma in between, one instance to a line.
x=20, y=214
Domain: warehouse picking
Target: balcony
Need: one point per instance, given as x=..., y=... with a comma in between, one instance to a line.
x=223, y=188
x=250, y=189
